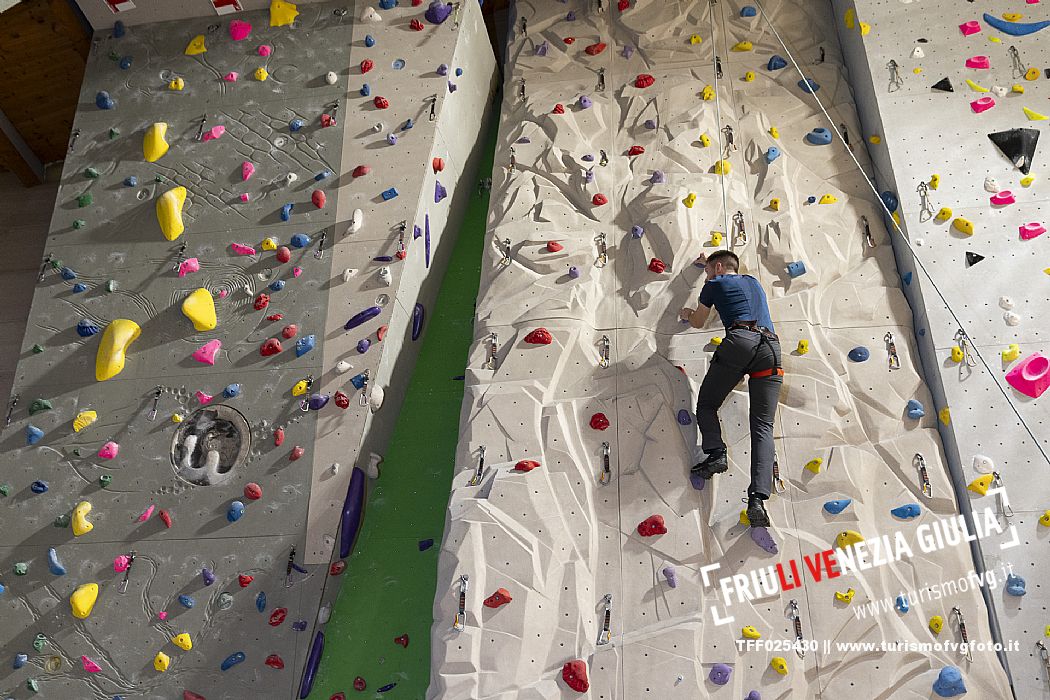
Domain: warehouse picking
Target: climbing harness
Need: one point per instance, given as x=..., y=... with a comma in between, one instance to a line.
x=868, y=239
x=603, y=251
x=896, y=81
x=606, y=474
x=601, y=80
x=765, y=338
x=1004, y=506
x=967, y=654
x=925, y=203
x=1019, y=67
x=603, y=352
x=480, y=469
x=739, y=234
x=604, y=637
x=964, y=343
x=490, y=363
x=891, y=349
x=793, y=613
x=152, y=415
x=123, y=587
x=924, y=475
x=464, y=583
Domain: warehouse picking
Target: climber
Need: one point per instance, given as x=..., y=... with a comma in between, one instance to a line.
x=750, y=347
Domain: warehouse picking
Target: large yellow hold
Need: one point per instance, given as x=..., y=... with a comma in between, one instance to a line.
x=981, y=484
x=722, y=167
x=743, y=46
x=154, y=144
x=199, y=307
x=282, y=13
x=963, y=225
x=161, y=661
x=196, y=46
x=847, y=538
x=169, y=212
x=779, y=664
x=83, y=420
x=113, y=348
x=83, y=600
x=79, y=520
x=690, y=200
x=708, y=93
x=750, y=632
x=182, y=641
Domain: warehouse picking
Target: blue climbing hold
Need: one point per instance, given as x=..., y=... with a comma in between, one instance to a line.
x=387, y=687
x=38, y=487
x=776, y=63
x=859, y=354
x=324, y=174
x=235, y=511
x=949, y=682
x=907, y=278
x=811, y=200
x=131, y=181
x=1015, y=28
x=1015, y=585
x=104, y=101
x=902, y=604
x=286, y=212
x=408, y=125
x=260, y=601
x=300, y=240
x=748, y=11
x=68, y=274
x=383, y=258
x=232, y=660
x=907, y=511
x=186, y=601
x=118, y=29
x=365, y=90
x=387, y=4
x=837, y=506
x=125, y=63
x=819, y=136
x=389, y=194
x=363, y=345
x=683, y=417
x=426, y=544
x=79, y=287
x=398, y=64
x=459, y=72
x=772, y=154
x=637, y=231
x=370, y=40
x=276, y=285
x=305, y=345
x=33, y=434
x=231, y=391
x=2, y=588
x=915, y=409
x=358, y=381
x=54, y=564
x=20, y=660
x=296, y=124
x=797, y=268
x=890, y=200
x=808, y=85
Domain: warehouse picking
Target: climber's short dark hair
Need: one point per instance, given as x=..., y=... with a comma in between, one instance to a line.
x=727, y=257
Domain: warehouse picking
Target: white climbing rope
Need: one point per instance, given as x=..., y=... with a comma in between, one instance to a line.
x=895, y=227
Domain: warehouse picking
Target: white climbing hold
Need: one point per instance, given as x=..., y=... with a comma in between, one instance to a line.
x=991, y=185
x=1011, y=318
x=983, y=464
x=370, y=15
x=334, y=469
x=357, y=219
x=999, y=91
x=342, y=367
x=1006, y=303
x=917, y=52
x=331, y=78
x=375, y=400
x=385, y=277
x=373, y=465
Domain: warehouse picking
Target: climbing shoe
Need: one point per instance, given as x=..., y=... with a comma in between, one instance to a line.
x=716, y=463
x=756, y=512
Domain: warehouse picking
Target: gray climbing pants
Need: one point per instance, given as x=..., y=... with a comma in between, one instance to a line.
x=744, y=351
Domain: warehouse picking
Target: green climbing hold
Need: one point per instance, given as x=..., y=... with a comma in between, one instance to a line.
x=114, y=132
x=85, y=200
x=111, y=285
x=39, y=405
x=105, y=480
x=21, y=568
x=40, y=642
x=158, y=178
x=76, y=452
x=5, y=490
x=37, y=349
x=33, y=685
x=90, y=173
x=79, y=224
x=62, y=520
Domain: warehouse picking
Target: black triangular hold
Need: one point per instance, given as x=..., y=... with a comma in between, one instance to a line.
x=973, y=258
x=1018, y=145
x=944, y=85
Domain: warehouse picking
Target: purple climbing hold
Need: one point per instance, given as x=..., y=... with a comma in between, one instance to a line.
x=588, y=176
x=439, y=191
x=318, y=401
x=761, y=537
x=438, y=12
x=637, y=231
x=391, y=139
x=363, y=345
x=585, y=102
x=524, y=139
x=541, y=50
x=208, y=576
x=574, y=272
x=426, y=544
x=650, y=123
x=426, y=240
x=658, y=177
x=628, y=51
x=589, y=158
x=571, y=16
x=754, y=695
x=419, y=314
x=683, y=417
x=442, y=69
x=383, y=258
x=451, y=86
x=671, y=574
x=720, y=674
x=416, y=231
x=359, y=318
x=697, y=481
x=299, y=625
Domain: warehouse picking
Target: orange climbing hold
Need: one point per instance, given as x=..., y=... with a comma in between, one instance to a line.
x=499, y=598
x=438, y=164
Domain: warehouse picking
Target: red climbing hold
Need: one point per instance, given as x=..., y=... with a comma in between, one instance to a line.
x=289, y=331
x=570, y=40
x=438, y=164
x=338, y=696
x=272, y=346
x=361, y=170
x=644, y=80
x=554, y=246
x=599, y=199
x=337, y=568
x=500, y=597
x=359, y=683
x=165, y=517
x=416, y=25
x=381, y=102
x=244, y=580
x=381, y=332
x=636, y=150
x=261, y=302
x=341, y=400
x=367, y=65
x=327, y=120
x=190, y=695
x=540, y=336
x=284, y=254
x=296, y=453
x=402, y=640
x=319, y=199
x=274, y=661
x=277, y=616
x=401, y=254
x=595, y=49
x=252, y=491
x=275, y=317
x=278, y=437
x=526, y=465
x=599, y=421
x=653, y=525
x=559, y=109
x=574, y=673
x=623, y=5
x=657, y=265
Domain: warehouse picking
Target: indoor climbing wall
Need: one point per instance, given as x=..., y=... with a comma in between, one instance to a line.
x=634, y=136
x=961, y=118
x=251, y=225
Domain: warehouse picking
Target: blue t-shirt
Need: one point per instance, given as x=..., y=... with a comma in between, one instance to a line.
x=737, y=298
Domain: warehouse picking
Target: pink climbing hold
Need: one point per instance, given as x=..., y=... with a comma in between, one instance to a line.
x=241, y=249
x=109, y=450
x=121, y=563
x=1031, y=230
x=202, y=398
x=653, y=525
x=318, y=198
x=163, y=615
x=244, y=197
x=1031, y=376
x=213, y=133
x=978, y=62
x=982, y=104
x=231, y=77
x=1002, y=198
x=239, y=30
x=296, y=271
x=971, y=27
x=206, y=353
x=265, y=50
x=89, y=665
x=247, y=170
x=189, y=265
x=147, y=514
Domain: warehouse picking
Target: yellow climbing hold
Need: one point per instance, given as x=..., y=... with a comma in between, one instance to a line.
x=916, y=71
x=803, y=347
x=813, y=465
x=113, y=348
x=1027, y=180
x=153, y=143
x=717, y=340
x=774, y=132
x=875, y=139
x=980, y=484
x=161, y=661
x=749, y=632
x=779, y=664
x=995, y=39
x=963, y=225
x=199, y=307
x=83, y=600
x=1044, y=520
x=1018, y=88
x=169, y=212
x=743, y=46
x=177, y=84
x=716, y=238
x=945, y=415
x=261, y=74
x=1011, y=353
x=690, y=200
x=695, y=39
x=744, y=520
x=749, y=76
x=935, y=181
x=828, y=199
x=1012, y=16
x=847, y=538
x=943, y=214
x=83, y=420
x=79, y=520
x=705, y=140
x=269, y=243
x=196, y=46
x=774, y=204
x=850, y=18
x=300, y=388
x=182, y=641
x=865, y=28
x=282, y=13
x=708, y=93
x=1032, y=74
x=936, y=624
x=957, y=354
x=722, y=167
x=177, y=418
x=975, y=87
x=896, y=216
x=846, y=597
x=1034, y=116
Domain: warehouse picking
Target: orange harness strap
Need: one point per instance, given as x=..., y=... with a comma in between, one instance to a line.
x=766, y=373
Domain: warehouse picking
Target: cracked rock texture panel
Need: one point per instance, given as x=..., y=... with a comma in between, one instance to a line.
x=561, y=537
